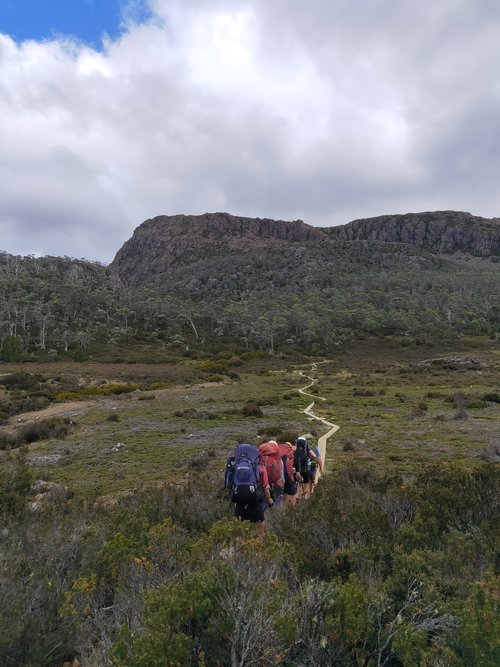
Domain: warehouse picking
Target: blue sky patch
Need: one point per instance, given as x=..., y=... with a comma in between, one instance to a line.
x=86, y=20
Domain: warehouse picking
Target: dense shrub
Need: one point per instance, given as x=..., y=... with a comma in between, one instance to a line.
x=375, y=568
x=22, y=380
x=54, y=428
x=18, y=404
x=251, y=410
x=477, y=404
x=363, y=392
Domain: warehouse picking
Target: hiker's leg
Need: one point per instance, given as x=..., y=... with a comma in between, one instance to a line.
x=257, y=517
x=278, y=500
x=312, y=482
x=306, y=480
x=290, y=495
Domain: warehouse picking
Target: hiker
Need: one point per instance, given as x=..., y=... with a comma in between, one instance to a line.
x=270, y=456
x=248, y=484
x=316, y=464
x=302, y=462
x=291, y=488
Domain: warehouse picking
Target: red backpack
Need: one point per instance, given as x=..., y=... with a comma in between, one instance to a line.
x=270, y=456
x=286, y=453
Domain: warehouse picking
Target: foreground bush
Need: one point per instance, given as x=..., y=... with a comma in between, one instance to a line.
x=373, y=570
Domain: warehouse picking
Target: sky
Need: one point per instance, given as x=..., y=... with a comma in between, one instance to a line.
x=116, y=111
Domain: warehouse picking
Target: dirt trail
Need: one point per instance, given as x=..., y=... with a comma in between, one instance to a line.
x=70, y=409
x=74, y=408
x=322, y=440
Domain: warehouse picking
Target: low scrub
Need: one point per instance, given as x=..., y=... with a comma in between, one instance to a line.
x=251, y=410
x=113, y=388
x=48, y=429
x=22, y=380
x=53, y=429
x=19, y=404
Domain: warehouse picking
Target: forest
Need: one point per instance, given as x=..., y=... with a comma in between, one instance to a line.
x=61, y=308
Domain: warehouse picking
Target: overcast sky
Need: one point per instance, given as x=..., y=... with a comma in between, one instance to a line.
x=114, y=112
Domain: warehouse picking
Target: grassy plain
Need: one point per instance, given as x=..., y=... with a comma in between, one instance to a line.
x=394, y=411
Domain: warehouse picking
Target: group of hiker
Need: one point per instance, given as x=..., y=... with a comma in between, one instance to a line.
x=271, y=475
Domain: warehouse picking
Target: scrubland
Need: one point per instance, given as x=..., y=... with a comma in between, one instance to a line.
x=129, y=555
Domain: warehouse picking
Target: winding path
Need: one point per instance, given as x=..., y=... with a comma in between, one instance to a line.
x=322, y=440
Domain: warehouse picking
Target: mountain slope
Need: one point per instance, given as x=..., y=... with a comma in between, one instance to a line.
x=173, y=251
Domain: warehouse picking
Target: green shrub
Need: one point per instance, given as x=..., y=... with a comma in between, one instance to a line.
x=492, y=397
x=214, y=378
x=21, y=380
x=11, y=348
x=477, y=404
x=267, y=400
x=113, y=388
x=7, y=441
x=251, y=410
x=159, y=385
x=216, y=367
x=15, y=482
x=54, y=428
x=288, y=395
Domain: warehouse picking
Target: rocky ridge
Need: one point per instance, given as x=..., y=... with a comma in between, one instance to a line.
x=164, y=241
x=440, y=231
x=161, y=244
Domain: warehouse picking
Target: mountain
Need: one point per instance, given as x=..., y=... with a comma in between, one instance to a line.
x=216, y=281
x=196, y=254
x=165, y=242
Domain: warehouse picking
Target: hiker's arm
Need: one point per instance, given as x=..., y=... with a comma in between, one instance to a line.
x=264, y=482
x=267, y=495
x=320, y=463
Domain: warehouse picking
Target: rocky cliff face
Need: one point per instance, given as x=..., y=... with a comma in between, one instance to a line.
x=165, y=241
x=163, y=244
x=441, y=231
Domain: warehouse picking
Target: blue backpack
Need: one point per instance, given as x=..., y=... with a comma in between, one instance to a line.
x=242, y=475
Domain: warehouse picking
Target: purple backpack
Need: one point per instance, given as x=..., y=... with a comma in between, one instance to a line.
x=242, y=475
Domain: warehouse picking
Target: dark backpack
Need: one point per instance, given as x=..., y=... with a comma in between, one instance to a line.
x=287, y=456
x=302, y=459
x=242, y=475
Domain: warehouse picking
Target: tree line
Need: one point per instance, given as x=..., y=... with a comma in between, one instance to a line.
x=61, y=307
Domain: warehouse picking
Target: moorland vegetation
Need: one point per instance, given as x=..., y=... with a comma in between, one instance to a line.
x=130, y=554
x=119, y=405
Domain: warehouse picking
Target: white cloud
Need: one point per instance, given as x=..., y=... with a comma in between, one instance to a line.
x=326, y=112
